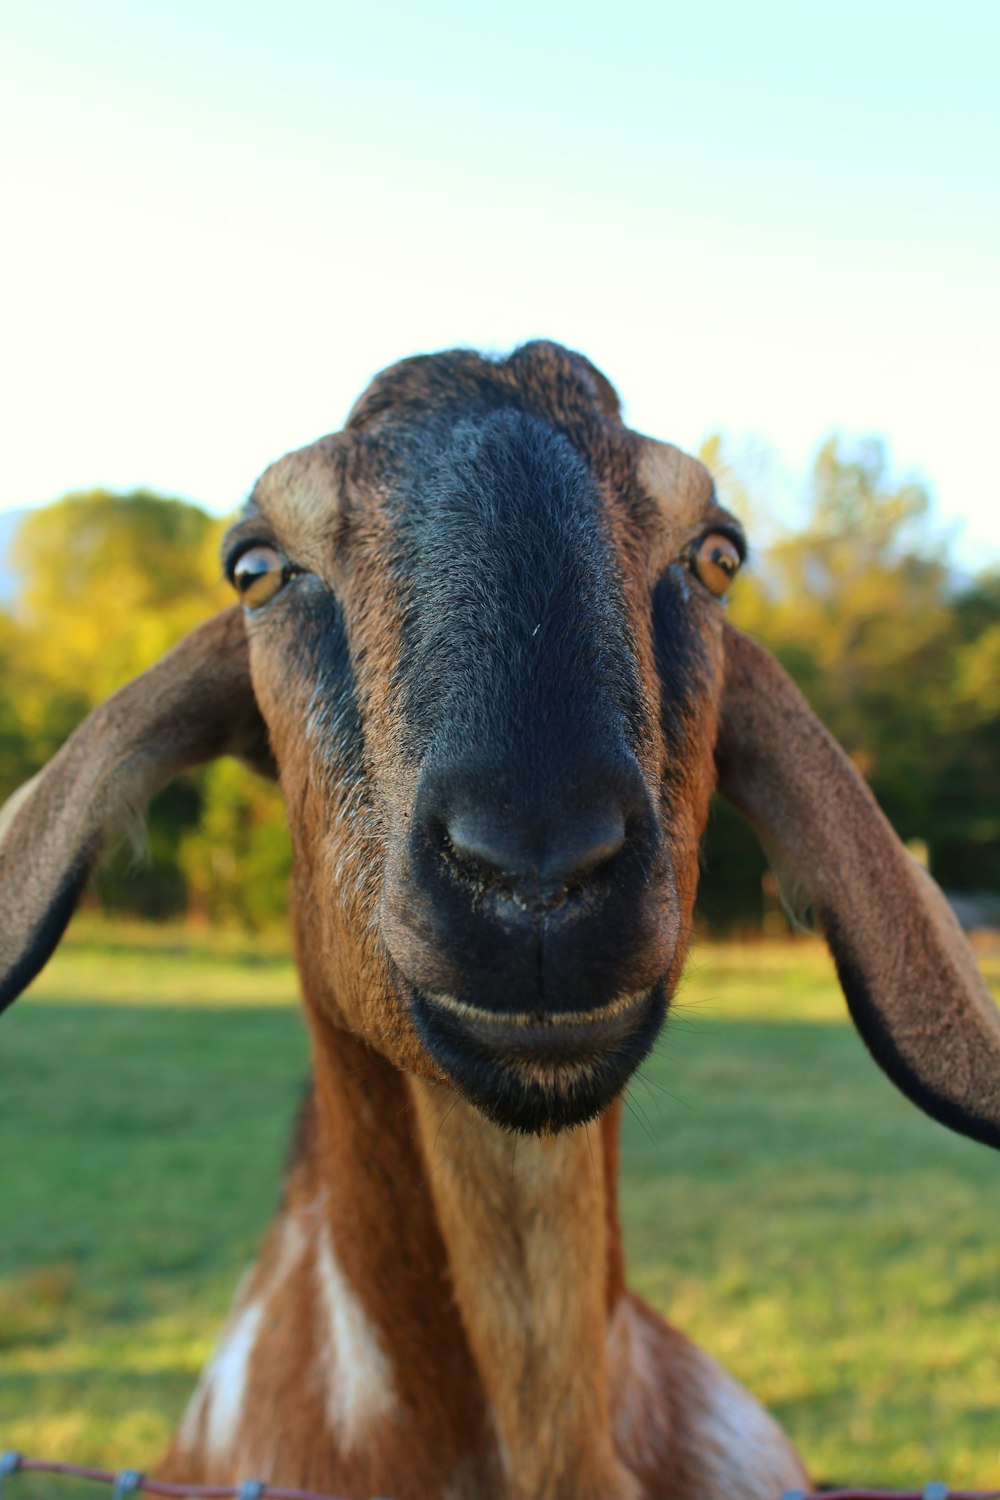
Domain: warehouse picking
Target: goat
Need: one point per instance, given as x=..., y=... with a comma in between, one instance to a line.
x=480, y=641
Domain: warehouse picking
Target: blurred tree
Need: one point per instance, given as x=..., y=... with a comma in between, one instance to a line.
x=15, y=737
x=966, y=781
x=858, y=607
x=237, y=860
x=108, y=583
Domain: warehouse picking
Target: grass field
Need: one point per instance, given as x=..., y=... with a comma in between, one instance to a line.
x=783, y=1205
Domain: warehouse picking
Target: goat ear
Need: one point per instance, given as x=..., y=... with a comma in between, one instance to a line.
x=906, y=970
x=194, y=704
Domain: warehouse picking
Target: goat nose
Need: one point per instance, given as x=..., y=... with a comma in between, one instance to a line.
x=538, y=871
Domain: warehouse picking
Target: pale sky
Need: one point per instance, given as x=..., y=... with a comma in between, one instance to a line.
x=220, y=218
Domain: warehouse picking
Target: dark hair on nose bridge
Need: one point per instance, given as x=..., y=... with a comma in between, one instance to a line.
x=515, y=634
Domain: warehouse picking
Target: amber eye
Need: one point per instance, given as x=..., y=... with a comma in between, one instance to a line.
x=258, y=574
x=716, y=560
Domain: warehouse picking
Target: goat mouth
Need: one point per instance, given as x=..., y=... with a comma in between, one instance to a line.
x=538, y=1073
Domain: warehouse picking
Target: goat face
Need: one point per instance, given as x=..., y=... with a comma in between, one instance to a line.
x=487, y=656
x=491, y=675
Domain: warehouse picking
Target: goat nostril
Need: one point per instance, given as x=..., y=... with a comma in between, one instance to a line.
x=535, y=874
x=470, y=857
x=603, y=843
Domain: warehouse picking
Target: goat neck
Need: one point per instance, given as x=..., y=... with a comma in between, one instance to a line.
x=503, y=1251
x=530, y=1231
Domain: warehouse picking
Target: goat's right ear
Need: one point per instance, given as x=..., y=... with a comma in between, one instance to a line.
x=909, y=978
x=193, y=705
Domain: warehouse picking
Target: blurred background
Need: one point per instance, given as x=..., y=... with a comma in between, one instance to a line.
x=776, y=227
x=777, y=232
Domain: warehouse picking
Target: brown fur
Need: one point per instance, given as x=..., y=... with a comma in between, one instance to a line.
x=440, y=1309
x=490, y=1268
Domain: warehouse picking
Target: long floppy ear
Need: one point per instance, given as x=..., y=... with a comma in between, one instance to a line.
x=194, y=704
x=910, y=980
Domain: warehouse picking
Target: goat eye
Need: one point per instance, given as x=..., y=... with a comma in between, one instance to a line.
x=258, y=574
x=716, y=560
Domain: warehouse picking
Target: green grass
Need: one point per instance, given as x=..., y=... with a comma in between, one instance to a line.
x=789, y=1210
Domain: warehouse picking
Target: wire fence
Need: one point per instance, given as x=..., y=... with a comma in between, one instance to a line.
x=130, y=1482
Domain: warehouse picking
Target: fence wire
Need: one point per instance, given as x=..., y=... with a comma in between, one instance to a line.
x=130, y=1482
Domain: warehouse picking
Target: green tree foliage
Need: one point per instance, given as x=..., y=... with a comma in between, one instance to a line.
x=856, y=605
x=108, y=583
x=965, y=815
x=236, y=860
x=16, y=741
x=900, y=662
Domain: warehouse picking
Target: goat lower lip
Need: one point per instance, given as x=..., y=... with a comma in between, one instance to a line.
x=562, y=1034
x=532, y=1073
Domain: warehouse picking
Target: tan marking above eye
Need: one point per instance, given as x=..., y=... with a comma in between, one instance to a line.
x=716, y=560
x=258, y=575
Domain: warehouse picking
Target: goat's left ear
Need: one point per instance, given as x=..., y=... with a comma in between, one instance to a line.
x=193, y=705
x=907, y=972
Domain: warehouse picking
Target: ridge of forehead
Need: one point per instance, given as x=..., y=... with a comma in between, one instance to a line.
x=674, y=478
x=543, y=380
x=540, y=377
x=303, y=486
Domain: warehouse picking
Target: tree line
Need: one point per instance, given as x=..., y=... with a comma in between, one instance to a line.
x=898, y=654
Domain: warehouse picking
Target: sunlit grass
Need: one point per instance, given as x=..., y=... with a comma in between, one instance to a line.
x=782, y=1203
x=792, y=1212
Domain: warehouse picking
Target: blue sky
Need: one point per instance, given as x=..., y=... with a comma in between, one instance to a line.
x=775, y=220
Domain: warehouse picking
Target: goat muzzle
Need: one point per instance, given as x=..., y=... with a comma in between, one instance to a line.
x=532, y=938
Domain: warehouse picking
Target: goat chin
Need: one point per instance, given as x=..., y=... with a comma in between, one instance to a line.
x=482, y=645
x=538, y=1073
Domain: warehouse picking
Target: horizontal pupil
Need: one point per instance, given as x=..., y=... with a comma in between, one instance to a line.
x=253, y=567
